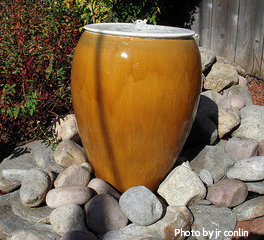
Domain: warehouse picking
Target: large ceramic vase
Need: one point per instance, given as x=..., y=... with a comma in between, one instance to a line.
x=135, y=93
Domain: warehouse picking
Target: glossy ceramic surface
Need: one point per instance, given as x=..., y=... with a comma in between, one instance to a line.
x=135, y=100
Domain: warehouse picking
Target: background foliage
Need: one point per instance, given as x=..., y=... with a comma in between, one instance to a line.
x=37, y=41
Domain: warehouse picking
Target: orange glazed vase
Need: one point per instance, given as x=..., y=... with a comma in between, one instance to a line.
x=135, y=96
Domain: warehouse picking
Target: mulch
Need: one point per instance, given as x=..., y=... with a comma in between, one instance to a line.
x=256, y=88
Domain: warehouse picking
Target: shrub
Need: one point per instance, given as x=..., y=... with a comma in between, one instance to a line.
x=37, y=43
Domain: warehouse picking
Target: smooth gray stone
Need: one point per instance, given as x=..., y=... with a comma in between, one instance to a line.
x=14, y=175
x=210, y=218
x=103, y=214
x=213, y=159
x=257, y=187
x=249, y=169
x=141, y=206
x=34, y=187
x=31, y=234
x=67, y=218
x=37, y=214
x=250, y=209
x=10, y=223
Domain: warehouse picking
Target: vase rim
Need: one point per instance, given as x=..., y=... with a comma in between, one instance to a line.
x=139, y=29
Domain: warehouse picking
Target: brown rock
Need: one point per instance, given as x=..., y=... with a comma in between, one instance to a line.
x=101, y=187
x=74, y=175
x=227, y=193
x=254, y=227
x=240, y=149
x=64, y=196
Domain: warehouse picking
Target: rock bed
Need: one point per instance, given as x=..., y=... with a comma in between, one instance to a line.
x=218, y=182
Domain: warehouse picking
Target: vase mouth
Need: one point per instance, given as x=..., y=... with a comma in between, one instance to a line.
x=139, y=29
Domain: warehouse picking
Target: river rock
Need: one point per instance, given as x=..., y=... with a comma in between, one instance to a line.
x=214, y=160
x=67, y=218
x=141, y=206
x=88, y=167
x=257, y=187
x=221, y=76
x=250, y=169
x=176, y=217
x=182, y=177
x=101, y=187
x=68, y=153
x=228, y=119
x=14, y=175
x=250, y=209
x=240, y=149
x=251, y=123
x=34, y=187
x=211, y=218
x=206, y=177
x=103, y=214
x=239, y=90
x=36, y=214
x=261, y=148
x=66, y=128
x=31, y=234
x=78, y=235
x=63, y=196
x=233, y=101
x=208, y=58
x=242, y=81
x=227, y=193
x=74, y=175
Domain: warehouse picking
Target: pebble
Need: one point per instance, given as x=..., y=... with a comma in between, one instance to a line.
x=250, y=209
x=182, y=177
x=240, y=149
x=176, y=217
x=257, y=187
x=141, y=206
x=261, y=148
x=250, y=169
x=64, y=196
x=78, y=235
x=34, y=187
x=68, y=153
x=228, y=119
x=103, y=214
x=221, y=76
x=74, y=175
x=101, y=187
x=67, y=218
x=214, y=160
x=227, y=193
x=251, y=123
x=212, y=218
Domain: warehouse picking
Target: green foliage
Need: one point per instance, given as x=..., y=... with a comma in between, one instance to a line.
x=37, y=42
